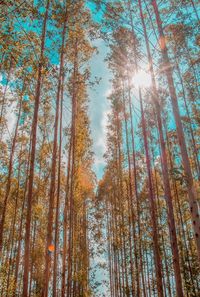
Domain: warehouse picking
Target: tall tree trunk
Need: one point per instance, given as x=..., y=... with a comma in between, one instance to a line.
x=195, y=10
x=55, y=267
x=53, y=168
x=4, y=99
x=133, y=216
x=158, y=263
x=136, y=185
x=194, y=144
x=65, y=217
x=20, y=231
x=71, y=200
x=32, y=160
x=10, y=168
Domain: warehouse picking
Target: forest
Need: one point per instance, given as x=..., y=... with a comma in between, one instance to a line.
x=77, y=76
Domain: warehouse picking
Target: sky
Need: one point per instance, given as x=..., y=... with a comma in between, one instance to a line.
x=98, y=114
x=99, y=106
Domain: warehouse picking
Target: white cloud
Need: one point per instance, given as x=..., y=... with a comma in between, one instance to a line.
x=99, y=106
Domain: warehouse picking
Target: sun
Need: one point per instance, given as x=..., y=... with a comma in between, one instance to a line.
x=141, y=79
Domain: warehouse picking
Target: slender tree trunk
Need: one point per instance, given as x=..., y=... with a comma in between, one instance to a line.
x=65, y=215
x=136, y=186
x=158, y=264
x=10, y=169
x=71, y=200
x=4, y=98
x=53, y=168
x=133, y=217
x=13, y=229
x=58, y=202
x=195, y=148
x=32, y=161
x=20, y=234
x=195, y=10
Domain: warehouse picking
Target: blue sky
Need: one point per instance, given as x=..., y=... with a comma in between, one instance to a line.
x=98, y=114
x=99, y=105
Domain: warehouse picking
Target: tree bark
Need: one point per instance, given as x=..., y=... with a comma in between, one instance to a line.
x=32, y=159
x=53, y=167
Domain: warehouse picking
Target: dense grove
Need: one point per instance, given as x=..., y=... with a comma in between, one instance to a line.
x=141, y=219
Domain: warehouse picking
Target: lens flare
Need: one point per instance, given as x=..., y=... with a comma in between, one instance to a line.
x=141, y=79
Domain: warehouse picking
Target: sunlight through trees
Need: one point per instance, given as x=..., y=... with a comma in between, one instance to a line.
x=65, y=230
